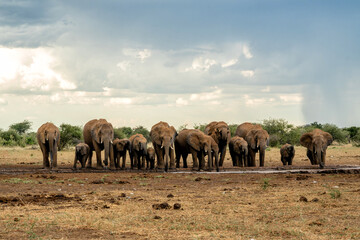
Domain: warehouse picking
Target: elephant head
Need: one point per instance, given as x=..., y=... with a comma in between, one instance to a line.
x=258, y=139
x=317, y=142
x=139, y=144
x=103, y=134
x=121, y=145
x=82, y=150
x=163, y=137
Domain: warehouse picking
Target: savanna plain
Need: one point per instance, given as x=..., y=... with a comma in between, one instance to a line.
x=85, y=204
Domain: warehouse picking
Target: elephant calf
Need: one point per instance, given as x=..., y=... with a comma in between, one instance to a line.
x=150, y=158
x=138, y=151
x=82, y=151
x=238, y=148
x=287, y=152
x=120, y=147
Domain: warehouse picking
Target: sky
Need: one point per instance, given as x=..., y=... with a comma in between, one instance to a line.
x=184, y=62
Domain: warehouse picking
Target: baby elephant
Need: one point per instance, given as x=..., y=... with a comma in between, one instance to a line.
x=287, y=152
x=150, y=158
x=121, y=146
x=82, y=151
x=238, y=151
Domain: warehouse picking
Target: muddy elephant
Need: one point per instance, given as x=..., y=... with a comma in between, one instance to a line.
x=48, y=137
x=198, y=144
x=163, y=137
x=82, y=151
x=120, y=146
x=99, y=135
x=238, y=148
x=150, y=158
x=138, y=151
x=316, y=143
x=220, y=132
x=287, y=152
x=257, y=139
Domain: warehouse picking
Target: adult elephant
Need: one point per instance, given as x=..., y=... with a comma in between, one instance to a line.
x=238, y=148
x=138, y=151
x=198, y=144
x=121, y=146
x=220, y=132
x=48, y=137
x=163, y=137
x=99, y=135
x=316, y=143
x=257, y=139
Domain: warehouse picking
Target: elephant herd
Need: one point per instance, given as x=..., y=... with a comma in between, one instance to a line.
x=169, y=146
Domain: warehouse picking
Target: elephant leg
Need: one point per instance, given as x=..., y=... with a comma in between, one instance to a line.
x=252, y=158
x=90, y=159
x=112, y=159
x=310, y=156
x=232, y=155
x=283, y=160
x=184, y=157
x=123, y=161
x=83, y=160
x=75, y=161
x=98, y=156
x=143, y=162
x=201, y=160
x=172, y=159
x=195, y=162
x=239, y=160
x=222, y=156
x=290, y=160
x=177, y=158
x=45, y=153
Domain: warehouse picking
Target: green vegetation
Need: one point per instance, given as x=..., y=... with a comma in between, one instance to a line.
x=280, y=131
x=265, y=183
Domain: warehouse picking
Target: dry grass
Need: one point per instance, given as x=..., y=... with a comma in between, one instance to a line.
x=226, y=206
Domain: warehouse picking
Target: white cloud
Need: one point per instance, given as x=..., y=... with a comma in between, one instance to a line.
x=3, y=101
x=246, y=52
x=124, y=65
x=120, y=101
x=141, y=54
x=181, y=102
x=229, y=63
x=265, y=90
x=206, y=96
x=291, y=98
x=201, y=64
x=247, y=73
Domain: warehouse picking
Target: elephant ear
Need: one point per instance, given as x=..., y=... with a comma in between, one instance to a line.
x=95, y=133
x=194, y=141
x=328, y=138
x=306, y=140
x=173, y=135
x=83, y=150
x=155, y=136
x=250, y=138
x=127, y=144
x=42, y=136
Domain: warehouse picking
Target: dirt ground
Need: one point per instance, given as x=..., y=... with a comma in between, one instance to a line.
x=39, y=204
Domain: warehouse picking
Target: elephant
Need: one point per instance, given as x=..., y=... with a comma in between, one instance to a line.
x=99, y=135
x=195, y=142
x=214, y=153
x=138, y=151
x=120, y=147
x=287, y=152
x=316, y=143
x=82, y=151
x=48, y=137
x=257, y=139
x=220, y=132
x=163, y=137
x=238, y=148
x=150, y=158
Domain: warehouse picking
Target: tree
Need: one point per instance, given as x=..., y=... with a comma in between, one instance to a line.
x=201, y=127
x=143, y=131
x=233, y=128
x=21, y=127
x=123, y=132
x=69, y=135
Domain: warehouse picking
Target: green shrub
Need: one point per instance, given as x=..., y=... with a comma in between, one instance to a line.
x=123, y=132
x=199, y=126
x=142, y=130
x=69, y=135
x=339, y=135
x=22, y=127
x=233, y=128
x=356, y=139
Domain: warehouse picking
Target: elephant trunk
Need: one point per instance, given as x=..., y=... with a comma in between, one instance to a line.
x=107, y=145
x=52, y=149
x=144, y=148
x=262, y=154
x=167, y=153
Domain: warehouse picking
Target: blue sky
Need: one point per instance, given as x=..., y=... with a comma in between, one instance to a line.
x=184, y=62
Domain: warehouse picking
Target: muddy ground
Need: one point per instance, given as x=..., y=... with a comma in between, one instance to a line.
x=238, y=203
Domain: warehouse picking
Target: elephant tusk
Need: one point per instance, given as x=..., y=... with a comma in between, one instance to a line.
x=162, y=146
x=171, y=147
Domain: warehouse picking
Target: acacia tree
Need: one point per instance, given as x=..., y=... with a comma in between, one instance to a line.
x=21, y=127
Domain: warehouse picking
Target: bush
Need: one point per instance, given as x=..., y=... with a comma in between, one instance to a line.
x=69, y=135
x=356, y=139
x=199, y=126
x=233, y=128
x=123, y=132
x=339, y=135
x=30, y=138
x=143, y=131
x=22, y=127
x=281, y=132
x=10, y=138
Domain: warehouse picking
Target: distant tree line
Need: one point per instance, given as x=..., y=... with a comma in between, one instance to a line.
x=280, y=132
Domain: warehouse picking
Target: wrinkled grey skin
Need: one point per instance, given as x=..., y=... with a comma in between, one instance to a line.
x=238, y=148
x=150, y=158
x=48, y=137
x=82, y=151
x=220, y=132
x=163, y=137
x=121, y=146
x=198, y=144
x=99, y=135
x=287, y=152
x=257, y=139
x=316, y=142
x=138, y=151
